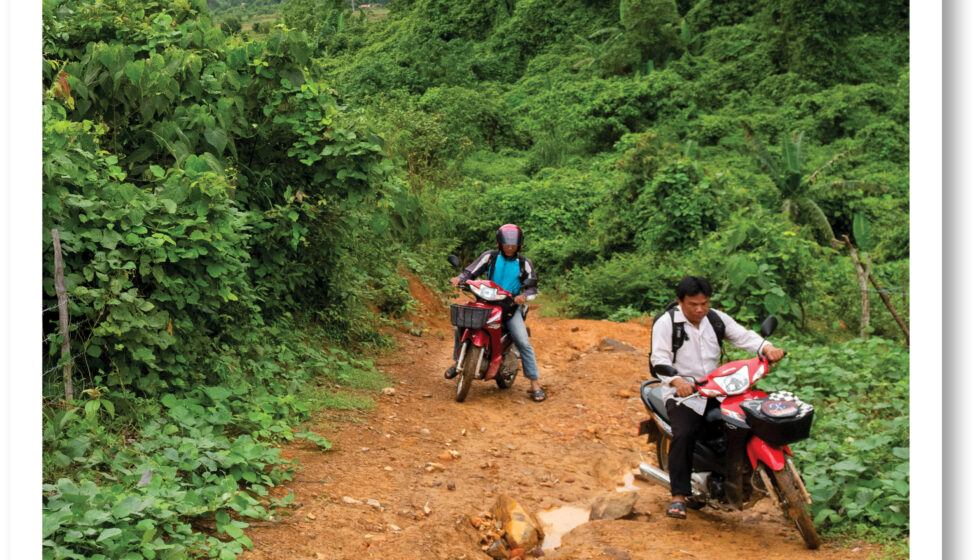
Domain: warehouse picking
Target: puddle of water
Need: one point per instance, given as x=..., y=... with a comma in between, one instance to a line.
x=558, y=522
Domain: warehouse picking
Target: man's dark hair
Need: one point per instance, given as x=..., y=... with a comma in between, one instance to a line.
x=693, y=285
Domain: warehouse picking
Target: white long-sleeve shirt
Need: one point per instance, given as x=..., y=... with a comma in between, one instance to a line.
x=699, y=354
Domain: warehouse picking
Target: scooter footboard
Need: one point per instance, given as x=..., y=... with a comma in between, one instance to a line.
x=759, y=450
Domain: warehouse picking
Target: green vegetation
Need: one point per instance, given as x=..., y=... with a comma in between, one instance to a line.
x=857, y=464
x=233, y=196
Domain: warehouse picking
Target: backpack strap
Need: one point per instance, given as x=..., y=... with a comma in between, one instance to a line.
x=492, y=263
x=720, y=330
x=679, y=335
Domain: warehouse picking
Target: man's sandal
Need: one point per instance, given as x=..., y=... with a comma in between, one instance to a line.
x=538, y=395
x=451, y=372
x=676, y=510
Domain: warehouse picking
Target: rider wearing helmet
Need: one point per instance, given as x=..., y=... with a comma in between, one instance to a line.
x=514, y=273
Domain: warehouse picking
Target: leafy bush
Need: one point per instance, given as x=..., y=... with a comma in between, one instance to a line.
x=627, y=280
x=231, y=25
x=140, y=483
x=857, y=463
x=760, y=265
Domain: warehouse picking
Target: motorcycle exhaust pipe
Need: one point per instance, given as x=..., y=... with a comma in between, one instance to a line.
x=653, y=474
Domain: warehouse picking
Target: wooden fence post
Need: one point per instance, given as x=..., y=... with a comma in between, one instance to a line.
x=59, y=286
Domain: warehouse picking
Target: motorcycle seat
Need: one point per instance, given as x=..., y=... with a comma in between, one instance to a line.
x=652, y=395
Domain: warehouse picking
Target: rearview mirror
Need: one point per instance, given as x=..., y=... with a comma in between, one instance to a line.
x=768, y=326
x=454, y=260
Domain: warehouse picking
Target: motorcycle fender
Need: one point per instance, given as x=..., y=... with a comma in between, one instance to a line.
x=649, y=427
x=494, y=366
x=758, y=450
x=479, y=338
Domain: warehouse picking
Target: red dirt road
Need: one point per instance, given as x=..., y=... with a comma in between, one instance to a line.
x=568, y=450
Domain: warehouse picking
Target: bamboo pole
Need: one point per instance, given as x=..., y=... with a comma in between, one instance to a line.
x=59, y=286
x=884, y=297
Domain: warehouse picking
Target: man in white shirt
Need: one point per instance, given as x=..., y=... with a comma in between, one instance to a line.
x=698, y=354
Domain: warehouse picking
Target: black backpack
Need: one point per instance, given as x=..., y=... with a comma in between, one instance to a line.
x=679, y=335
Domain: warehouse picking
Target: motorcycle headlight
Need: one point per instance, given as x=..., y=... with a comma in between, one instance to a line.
x=487, y=293
x=735, y=383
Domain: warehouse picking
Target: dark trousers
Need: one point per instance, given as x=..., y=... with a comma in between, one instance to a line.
x=687, y=427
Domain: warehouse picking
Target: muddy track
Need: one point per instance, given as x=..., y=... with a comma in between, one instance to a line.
x=567, y=450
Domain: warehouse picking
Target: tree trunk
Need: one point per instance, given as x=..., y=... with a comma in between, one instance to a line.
x=59, y=286
x=861, y=274
x=883, y=296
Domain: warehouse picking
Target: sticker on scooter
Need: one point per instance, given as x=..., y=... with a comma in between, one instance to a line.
x=779, y=408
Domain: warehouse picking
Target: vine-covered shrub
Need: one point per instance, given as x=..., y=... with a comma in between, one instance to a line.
x=143, y=262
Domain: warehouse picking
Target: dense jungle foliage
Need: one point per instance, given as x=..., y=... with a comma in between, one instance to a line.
x=236, y=213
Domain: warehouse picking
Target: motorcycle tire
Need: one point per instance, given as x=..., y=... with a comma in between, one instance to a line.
x=470, y=367
x=662, y=451
x=793, y=505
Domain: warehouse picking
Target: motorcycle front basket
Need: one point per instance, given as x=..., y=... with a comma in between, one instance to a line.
x=469, y=317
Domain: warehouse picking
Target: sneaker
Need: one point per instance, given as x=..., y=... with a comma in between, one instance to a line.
x=451, y=372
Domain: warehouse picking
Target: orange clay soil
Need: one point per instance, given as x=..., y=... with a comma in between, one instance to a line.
x=432, y=464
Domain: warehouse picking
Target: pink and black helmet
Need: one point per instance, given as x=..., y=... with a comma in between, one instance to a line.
x=509, y=234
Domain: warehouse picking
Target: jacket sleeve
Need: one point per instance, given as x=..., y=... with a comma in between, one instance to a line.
x=530, y=284
x=477, y=267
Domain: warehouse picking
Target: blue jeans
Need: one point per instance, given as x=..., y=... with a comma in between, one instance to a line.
x=517, y=330
x=521, y=338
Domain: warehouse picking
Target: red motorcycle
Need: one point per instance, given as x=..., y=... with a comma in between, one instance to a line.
x=487, y=350
x=744, y=455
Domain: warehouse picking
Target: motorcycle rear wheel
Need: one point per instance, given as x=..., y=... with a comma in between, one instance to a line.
x=662, y=454
x=505, y=381
x=662, y=451
x=470, y=366
x=789, y=496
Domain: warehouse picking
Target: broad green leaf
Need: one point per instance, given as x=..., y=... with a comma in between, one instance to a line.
x=217, y=394
x=216, y=270
x=848, y=465
x=108, y=534
x=134, y=70
x=861, y=230
x=91, y=408
x=773, y=302
x=127, y=507
x=379, y=223
x=216, y=137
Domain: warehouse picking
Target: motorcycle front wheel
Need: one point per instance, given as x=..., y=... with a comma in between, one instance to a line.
x=793, y=505
x=470, y=367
